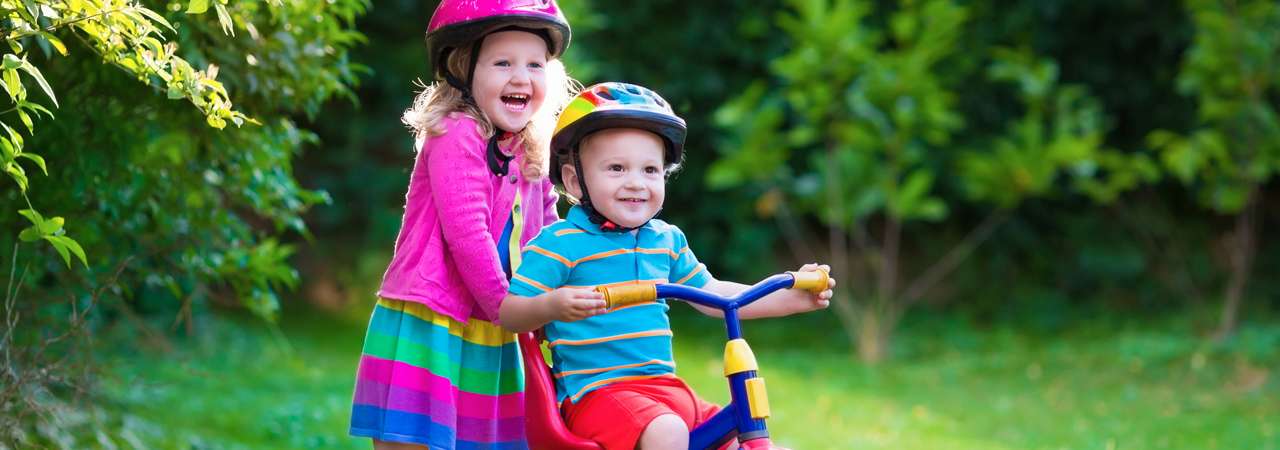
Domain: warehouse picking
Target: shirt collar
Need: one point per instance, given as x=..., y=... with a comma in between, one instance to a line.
x=578, y=217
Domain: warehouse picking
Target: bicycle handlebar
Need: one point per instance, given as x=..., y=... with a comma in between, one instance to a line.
x=618, y=296
x=815, y=281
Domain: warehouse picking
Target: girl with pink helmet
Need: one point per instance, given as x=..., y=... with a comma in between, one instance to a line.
x=437, y=370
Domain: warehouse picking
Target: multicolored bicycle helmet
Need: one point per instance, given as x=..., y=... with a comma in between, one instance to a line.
x=612, y=105
x=615, y=105
x=456, y=23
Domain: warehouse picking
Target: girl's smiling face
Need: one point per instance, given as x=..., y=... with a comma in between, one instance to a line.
x=510, y=79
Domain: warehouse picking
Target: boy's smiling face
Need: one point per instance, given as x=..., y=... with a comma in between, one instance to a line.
x=624, y=172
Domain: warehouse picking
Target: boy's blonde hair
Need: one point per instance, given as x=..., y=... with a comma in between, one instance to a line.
x=440, y=99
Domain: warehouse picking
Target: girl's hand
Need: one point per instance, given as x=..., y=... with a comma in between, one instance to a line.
x=571, y=305
x=822, y=299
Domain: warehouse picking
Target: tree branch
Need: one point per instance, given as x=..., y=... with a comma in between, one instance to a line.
x=886, y=285
x=797, y=238
x=945, y=265
x=58, y=25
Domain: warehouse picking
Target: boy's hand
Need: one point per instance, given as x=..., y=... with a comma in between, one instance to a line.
x=571, y=305
x=823, y=299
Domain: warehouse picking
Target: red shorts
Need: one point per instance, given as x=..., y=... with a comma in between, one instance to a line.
x=616, y=414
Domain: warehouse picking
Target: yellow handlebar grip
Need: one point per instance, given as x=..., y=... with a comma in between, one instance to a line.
x=815, y=281
x=631, y=294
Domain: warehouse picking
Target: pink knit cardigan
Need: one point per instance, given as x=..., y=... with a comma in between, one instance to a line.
x=446, y=254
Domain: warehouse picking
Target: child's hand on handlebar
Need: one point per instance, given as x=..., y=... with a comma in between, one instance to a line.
x=822, y=299
x=571, y=305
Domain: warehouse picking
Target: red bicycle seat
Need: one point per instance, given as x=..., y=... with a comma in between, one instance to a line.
x=544, y=427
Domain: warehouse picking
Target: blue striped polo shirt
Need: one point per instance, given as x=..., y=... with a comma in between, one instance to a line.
x=627, y=343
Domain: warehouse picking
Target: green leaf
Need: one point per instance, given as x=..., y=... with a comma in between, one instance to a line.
x=37, y=108
x=35, y=73
x=160, y=19
x=7, y=147
x=75, y=249
x=723, y=175
x=1183, y=161
x=52, y=226
x=30, y=234
x=39, y=160
x=224, y=18
x=916, y=185
x=26, y=120
x=61, y=247
x=32, y=215
x=13, y=136
x=49, y=12
x=198, y=7
x=905, y=203
x=18, y=174
x=13, y=85
x=1229, y=198
x=933, y=209
x=32, y=11
x=11, y=61
x=55, y=42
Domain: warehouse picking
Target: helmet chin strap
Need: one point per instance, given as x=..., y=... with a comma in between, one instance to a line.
x=499, y=162
x=594, y=215
x=458, y=84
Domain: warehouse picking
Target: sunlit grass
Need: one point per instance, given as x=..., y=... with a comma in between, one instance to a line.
x=1128, y=388
x=949, y=387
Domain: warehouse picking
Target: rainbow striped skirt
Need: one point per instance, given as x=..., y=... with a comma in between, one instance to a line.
x=427, y=379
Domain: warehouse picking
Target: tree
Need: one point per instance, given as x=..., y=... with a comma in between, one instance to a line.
x=128, y=36
x=170, y=209
x=859, y=133
x=1233, y=71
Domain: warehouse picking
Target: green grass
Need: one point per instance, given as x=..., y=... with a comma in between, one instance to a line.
x=950, y=386
x=1126, y=389
x=242, y=385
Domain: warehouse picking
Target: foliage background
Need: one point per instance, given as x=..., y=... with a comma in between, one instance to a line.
x=1100, y=291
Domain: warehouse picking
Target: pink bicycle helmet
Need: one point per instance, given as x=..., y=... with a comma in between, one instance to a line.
x=456, y=23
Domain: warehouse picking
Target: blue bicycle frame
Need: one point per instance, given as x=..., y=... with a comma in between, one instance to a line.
x=744, y=417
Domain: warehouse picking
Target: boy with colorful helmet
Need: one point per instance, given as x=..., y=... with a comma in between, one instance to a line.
x=437, y=370
x=615, y=375
x=613, y=105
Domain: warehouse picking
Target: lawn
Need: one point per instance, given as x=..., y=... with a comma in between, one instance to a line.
x=951, y=385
